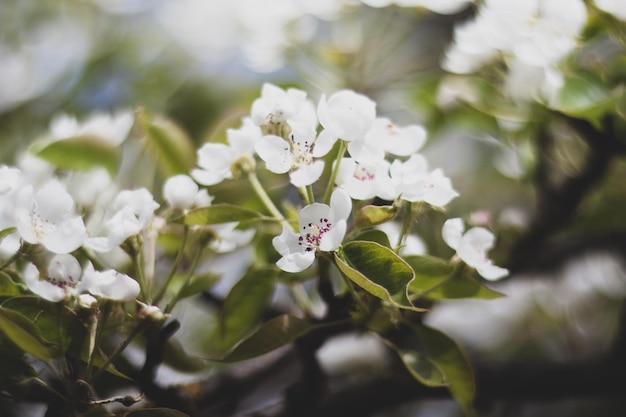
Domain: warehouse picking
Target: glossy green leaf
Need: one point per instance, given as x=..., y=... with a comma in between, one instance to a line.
x=271, y=335
x=445, y=353
x=219, y=213
x=374, y=235
x=169, y=144
x=374, y=215
x=81, y=153
x=244, y=305
x=436, y=280
x=23, y=333
x=156, y=412
x=378, y=270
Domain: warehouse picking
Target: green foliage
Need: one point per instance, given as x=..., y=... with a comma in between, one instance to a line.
x=378, y=270
x=170, y=146
x=447, y=356
x=15, y=367
x=21, y=331
x=273, y=334
x=219, y=213
x=374, y=215
x=244, y=305
x=435, y=279
x=80, y=153
x=586, y=97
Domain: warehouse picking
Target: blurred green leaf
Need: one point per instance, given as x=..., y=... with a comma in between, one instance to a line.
x=219, y=213
x=196, y=285
x=436, y=280
x=177, y=357
x=7, y=286
x=244, y=305
x=374, y=215
x=45, y=315
x=6, y=232
x=80, y=153
x=173, y=150
x=422, y=368
x=456, y=369
x=374, y=235
x=587, y=97
x=378, y=270
x=23, y=333
x=271, y=335
x=156, y=412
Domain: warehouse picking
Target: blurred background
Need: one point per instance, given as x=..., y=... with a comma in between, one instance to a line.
x=554, y=345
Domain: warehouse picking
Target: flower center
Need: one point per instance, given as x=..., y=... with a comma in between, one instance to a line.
x=302, y=151
x=42, y=226
x=312, y=233
x=65, y=282
x=362, y=173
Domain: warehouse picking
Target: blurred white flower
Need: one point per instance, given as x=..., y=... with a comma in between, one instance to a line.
x=472, y=247
x=228, y=237
x=181, y=192
x=112, y=128
x=216, y=159
x=413, y=182
x=534, y=36
x=276, y=106
x=320, y=227
x=129, y=214
x=66, y=279
x=615, y=7
x=46, y=216
x=412, y=244
x=345, y=115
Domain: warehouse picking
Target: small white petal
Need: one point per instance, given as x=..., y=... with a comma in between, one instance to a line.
x=452, y=231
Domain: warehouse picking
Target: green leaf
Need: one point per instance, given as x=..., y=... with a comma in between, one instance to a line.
x=23, y=333
x=422, y=368
x=196, y=285
x=271, y=335
x=436, y=280
x=445, y=353
x=219, y=213
x=177, y=358
x=81, y=153
x=171, y=147
x=156, y=412
x=5, y=232
x=374, y=215
x=8, y=287
x=45, y=315
x=244, y=305
x=378, y=270
x=587, y=98
x=374, y=235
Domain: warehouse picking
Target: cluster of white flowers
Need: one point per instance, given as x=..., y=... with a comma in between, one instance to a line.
x=292, y=136
x=532, y=36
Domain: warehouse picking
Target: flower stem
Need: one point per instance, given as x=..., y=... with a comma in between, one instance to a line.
x=174, y=267
x=260, y=192
x=119, y=349
x=307, y=194
x=190, y=273
x=343, y=146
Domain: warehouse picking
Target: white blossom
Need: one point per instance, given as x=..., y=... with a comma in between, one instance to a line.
x=112, y=128
x=46, y=216
x=216, y=159
x=320, y=227
x=181, y=192
x=414, y=182
x=364, y=181
x=472, y=247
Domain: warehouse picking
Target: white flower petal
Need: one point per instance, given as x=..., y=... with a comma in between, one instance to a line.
x=452, y=231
